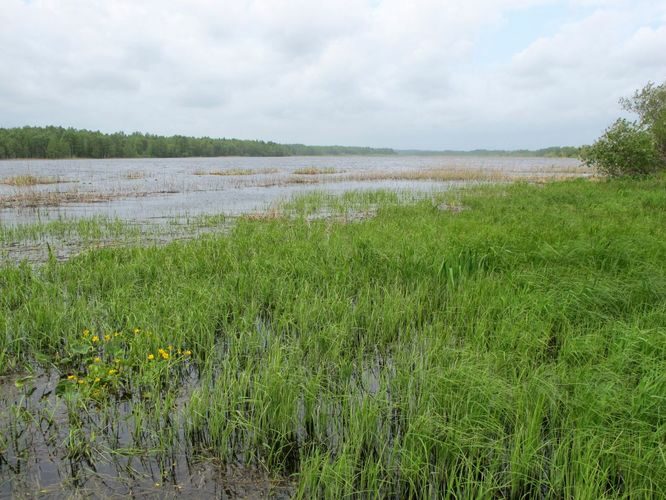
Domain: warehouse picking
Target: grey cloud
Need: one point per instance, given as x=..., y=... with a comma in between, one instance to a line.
x=388, y=73
x=143, y=56
x=101, y=81
x=427, y=86
x=205, y=100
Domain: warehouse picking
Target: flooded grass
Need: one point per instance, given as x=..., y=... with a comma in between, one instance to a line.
x=36, y=199
x=33, y=199
x=438, y=175
x=28, y=180
x=62, y=240
x=64, y=436
x=316, y=171
x=468, y=175
x=135, y=174
x=150, y=189
x=237, y=171
x=513, y=348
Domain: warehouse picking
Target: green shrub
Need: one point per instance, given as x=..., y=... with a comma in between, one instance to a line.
x=624, y=149
x=649, y=103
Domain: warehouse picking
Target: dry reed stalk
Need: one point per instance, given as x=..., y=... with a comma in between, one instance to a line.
x=135, y=175
x=28, y=180
x=316, y=171
x=237, y=171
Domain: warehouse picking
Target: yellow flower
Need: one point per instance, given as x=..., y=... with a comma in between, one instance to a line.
x=97, y=379
x=95, y=338
x=116, y=334
x=97, y=359
x=187, y=353
x=151, y=357
x=107, y=337
x=137, y=330
x=165, y=355
x=82, y=381
x=86, y=332
x=71, y=377
x=112, y=371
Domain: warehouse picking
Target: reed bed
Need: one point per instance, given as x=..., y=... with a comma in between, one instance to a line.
x=316, y=171
x=513, y=349
x=431, y=175
x=237, y=171
x=29, y=180
x=135, y=175
x=466, y=175
x=35, y=199
x=32, y=199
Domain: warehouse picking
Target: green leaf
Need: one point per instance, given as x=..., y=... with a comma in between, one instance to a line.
x=81, y=349
x=20, y=382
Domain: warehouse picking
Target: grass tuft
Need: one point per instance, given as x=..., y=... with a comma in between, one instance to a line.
x=316, y=171
x=28, y=180
x=237, y=171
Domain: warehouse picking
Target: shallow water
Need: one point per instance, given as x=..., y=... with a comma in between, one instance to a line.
x=40, y=248
x=36, y=459
x=154, y=190
x=129, y=446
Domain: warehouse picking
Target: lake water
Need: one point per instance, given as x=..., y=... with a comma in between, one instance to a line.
x=152, y=190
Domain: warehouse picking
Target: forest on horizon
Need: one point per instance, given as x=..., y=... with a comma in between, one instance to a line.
x=55, y=142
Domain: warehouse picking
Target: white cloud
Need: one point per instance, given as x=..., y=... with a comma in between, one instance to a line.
x=391, y=73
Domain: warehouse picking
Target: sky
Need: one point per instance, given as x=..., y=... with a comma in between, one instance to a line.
x=406, y=74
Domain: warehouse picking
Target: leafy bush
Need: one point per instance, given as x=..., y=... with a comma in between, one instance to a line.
x=649, y=103
x=624, y=149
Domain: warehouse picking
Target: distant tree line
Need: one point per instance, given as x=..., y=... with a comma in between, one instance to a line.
x=552, y=152
x=59, y=142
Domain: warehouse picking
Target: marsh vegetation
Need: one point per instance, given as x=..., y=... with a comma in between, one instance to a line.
x=26, y=180
x=316, y=171
x=145, y=190
x=493, y=341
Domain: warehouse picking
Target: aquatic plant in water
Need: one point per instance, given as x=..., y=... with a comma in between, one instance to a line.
x=100, y=365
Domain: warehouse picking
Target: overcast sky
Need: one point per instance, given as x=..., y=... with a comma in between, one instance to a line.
x=429, y=74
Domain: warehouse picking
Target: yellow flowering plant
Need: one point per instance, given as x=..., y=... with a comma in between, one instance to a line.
x=102, y=364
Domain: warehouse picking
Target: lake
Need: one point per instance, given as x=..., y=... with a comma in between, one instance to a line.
x=153, y=190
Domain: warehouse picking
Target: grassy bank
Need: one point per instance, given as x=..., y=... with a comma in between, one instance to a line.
x=506, y=341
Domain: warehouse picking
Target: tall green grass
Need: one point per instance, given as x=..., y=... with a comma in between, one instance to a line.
x=513, y=349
